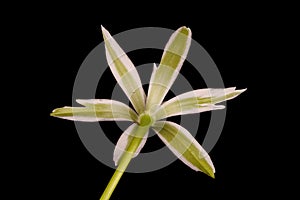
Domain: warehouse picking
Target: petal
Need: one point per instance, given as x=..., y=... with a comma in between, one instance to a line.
x=171, y=62
x=124, y=72
x=184, y=146
x=196, y=101
x=129, y=137
x=96, y=110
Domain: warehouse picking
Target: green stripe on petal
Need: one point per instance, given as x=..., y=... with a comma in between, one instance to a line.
x=124, y=72
x=184, y=146
x=196, y=101
x=172, y=59
x=219, y=95
x=97, y=110
x=131, y=142
x=177, y=48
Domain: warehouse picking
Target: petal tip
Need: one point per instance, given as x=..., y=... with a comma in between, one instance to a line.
x=242, y=90
x=102, y=28
x=185, y=30
x=154, y=66
x=54, y=112
x=212, y=175
x=115, y=162
x=105, y=33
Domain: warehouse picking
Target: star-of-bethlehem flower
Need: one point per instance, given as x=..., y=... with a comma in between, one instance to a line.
x=150, y=111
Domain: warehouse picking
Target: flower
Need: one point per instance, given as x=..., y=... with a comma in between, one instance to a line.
x=150, y=111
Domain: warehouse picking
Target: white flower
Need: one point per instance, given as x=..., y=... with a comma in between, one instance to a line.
x=150, y=111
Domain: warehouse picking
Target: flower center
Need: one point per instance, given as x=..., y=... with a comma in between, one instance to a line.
x=145, y=120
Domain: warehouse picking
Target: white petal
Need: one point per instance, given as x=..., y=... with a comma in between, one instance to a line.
x=124, y=71
x=196, y=101
x=172, y=59
x=96, y=110
x=184, y=146
x=124, y=140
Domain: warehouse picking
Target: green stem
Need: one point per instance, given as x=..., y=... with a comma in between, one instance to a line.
x=124, y=161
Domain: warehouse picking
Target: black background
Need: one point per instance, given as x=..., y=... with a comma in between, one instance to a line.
x=66, y=170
